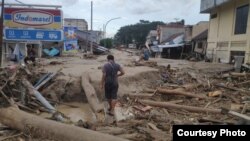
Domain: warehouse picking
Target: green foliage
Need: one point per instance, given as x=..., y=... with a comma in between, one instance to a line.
x=137, y=32
x=108, y=42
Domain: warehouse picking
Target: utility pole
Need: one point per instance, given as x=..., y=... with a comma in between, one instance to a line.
x=91, y=29
x=1, y=30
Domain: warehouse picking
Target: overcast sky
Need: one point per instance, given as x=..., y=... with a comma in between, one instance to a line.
x=130, y=11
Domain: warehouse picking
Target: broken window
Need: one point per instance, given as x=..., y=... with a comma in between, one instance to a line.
x=241, y=20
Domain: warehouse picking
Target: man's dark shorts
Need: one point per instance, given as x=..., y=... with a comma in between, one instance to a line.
x=111, y=91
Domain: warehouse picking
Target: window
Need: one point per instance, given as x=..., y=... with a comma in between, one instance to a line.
x=241, y=20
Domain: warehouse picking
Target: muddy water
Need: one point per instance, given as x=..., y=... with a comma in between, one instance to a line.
x=82, y=112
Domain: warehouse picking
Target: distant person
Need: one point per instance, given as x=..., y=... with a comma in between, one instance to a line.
x=110, y=81
x=31, y=55
x=144, y=54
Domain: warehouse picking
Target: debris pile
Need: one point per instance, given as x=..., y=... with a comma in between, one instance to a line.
x=169, y=96
x=183, y=97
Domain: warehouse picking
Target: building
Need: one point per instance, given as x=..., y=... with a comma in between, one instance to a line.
x=229, y=32
x=165, y=31
x=199, y=28
x=199, y=39
x=174, y=40
x=81, y=24
x=199, y=43
x=152, y=37
x=43, y=28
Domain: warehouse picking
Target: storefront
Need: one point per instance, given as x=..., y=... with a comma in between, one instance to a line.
x=31, y=27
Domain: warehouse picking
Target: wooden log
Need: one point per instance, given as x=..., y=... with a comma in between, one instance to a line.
x=152, y=126
x=235, y=74
x=215, y=121
x=33, y=92
x=91, y=94
x=179, y=92
x=183, y=107
x=48, y=129
x=232, y=88
x=243, y=83
x=140, y=95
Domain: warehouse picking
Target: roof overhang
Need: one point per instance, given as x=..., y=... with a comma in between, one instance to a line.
x=207, y=6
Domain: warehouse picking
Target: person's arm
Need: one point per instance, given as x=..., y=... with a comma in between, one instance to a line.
x=121, y=72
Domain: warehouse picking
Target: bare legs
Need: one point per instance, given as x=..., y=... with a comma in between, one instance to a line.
x=112, y=103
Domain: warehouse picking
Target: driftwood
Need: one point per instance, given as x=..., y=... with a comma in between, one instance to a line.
x=91, y=94
x=176, y=106
x=179, y=92
x=140, y=95
x=232, y=98
x=214, y=121
x=152, y=126
x=235, y=74
x=48, y=129
x=33, y=92
x=243, y=83
x=232, y=88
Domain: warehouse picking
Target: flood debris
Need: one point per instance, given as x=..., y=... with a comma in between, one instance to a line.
x=153, y=101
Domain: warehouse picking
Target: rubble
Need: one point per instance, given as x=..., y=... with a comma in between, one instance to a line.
x=158, y=100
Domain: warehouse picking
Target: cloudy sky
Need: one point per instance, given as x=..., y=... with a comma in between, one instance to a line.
x=130, y=11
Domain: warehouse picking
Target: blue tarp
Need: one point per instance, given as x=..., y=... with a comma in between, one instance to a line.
x=51, y=52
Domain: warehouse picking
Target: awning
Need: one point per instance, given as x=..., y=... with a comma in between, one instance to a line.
x=170, y=46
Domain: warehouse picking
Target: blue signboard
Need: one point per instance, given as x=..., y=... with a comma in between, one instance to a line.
x=33, y=34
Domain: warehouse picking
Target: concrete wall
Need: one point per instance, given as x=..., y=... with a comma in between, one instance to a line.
x=81, y=24
x=188, y=33
x=207, y=4
x=199, y=28
x=201, y=50
x=221, y=37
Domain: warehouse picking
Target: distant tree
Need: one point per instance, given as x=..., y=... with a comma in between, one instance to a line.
x=135, y=33
x=108, y=42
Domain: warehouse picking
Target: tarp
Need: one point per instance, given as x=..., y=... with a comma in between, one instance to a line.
x=176, y=42
x=51, y=52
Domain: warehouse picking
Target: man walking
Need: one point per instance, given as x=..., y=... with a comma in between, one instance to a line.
x=110, y=81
